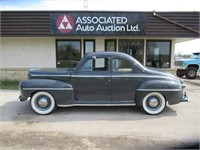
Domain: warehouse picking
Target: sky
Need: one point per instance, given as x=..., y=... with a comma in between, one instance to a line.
x=112, y=5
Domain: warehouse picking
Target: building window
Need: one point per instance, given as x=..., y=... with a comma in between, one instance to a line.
x=110, y=45
x=135, y=48
x=68, y=53
x=158, y=54
x=89, y=46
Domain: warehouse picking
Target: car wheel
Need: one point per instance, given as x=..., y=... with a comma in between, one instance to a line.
x=191, y=73
x=43, y=103
x=153, y=103
x=180, y=73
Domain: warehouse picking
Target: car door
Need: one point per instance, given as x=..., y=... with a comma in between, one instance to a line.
x=123, y=87
x=93, y=81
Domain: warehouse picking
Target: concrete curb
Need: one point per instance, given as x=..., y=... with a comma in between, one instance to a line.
x=194, y=82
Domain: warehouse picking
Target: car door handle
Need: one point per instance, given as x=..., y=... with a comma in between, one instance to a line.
x=108, y=79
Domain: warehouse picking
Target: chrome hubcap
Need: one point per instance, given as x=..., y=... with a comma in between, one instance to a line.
x=43, y=102
x=192, y=73
x=153, y=102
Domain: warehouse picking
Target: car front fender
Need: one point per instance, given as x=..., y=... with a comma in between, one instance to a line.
x=171, y=90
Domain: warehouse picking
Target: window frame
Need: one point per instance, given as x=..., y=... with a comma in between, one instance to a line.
x=84, y=45
x=57, y=40
x=93, y=60
x=137, y=40
x=113, y=72
x=170, y=50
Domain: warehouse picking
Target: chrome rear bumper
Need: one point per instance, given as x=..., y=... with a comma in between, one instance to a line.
x=184, y=98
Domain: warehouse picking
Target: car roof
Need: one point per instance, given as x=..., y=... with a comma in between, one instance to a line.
x=108, y=54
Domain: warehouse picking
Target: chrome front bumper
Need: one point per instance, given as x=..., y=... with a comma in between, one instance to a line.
x=20, y=99
x=184, y=97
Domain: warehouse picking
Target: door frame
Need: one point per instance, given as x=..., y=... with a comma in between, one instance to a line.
x=84, y=45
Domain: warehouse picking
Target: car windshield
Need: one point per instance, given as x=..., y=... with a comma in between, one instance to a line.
x=195, y=56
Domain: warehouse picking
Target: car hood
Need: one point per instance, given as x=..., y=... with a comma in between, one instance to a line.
x=50, y=73
x=185, y=60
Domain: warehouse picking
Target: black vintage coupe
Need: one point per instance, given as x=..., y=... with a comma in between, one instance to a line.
x=102, y=79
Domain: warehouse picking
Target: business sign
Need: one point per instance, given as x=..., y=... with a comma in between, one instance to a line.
x=91, y=23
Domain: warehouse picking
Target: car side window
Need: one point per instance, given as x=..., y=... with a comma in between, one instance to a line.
x=96, y=64
x=121, y=66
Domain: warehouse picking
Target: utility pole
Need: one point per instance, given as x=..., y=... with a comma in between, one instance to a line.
x=85, y=4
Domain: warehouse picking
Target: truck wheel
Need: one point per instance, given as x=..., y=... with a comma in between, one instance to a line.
x=153, y=103
x=43, y=103
x=191, y=73
x=180, y=73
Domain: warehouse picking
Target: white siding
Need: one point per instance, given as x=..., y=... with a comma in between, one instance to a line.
x=27, y=53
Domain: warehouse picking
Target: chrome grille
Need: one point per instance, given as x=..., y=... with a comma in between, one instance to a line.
x=178, y=63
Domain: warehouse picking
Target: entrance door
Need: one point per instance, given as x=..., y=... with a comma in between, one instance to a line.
x=89, y=46
x=93, y=82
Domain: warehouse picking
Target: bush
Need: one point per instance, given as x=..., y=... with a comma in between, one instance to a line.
x=9, y=84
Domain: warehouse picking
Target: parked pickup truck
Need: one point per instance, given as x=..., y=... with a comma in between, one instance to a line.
x=188, y=67
x=198, y=73
x=102, y=79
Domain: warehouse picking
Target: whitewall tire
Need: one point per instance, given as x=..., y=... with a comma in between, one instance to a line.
x=153, y=103
x=43, y=103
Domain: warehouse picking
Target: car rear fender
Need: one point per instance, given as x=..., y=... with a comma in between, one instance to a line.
x=63, y=92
